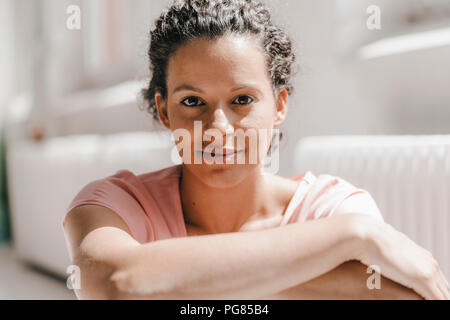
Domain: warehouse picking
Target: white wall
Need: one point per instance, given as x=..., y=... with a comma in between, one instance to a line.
x=6, y=54
x=328, y=98
x=334, y=94
x=404, y=94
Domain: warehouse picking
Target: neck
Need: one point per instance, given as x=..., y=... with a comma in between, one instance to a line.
x=221, y=210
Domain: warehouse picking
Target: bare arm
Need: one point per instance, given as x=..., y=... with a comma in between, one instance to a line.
x=221, y=266
x=347, y=281
x=308, y=257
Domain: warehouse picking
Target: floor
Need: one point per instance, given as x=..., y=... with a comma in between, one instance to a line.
x=21, y=281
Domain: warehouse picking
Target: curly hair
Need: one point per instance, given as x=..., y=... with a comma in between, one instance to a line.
x=187, y=20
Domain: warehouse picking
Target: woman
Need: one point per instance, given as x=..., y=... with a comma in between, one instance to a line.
x=229, y=230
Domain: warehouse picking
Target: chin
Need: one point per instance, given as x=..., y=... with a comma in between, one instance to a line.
x=222, y=176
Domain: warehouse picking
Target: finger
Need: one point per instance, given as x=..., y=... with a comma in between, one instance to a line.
x=447, y=295
x=444, y=285
x=424, y=292
x=445, y=292
x=443, y=288
x=445, y=279
x=436, y=292
x=430, y=291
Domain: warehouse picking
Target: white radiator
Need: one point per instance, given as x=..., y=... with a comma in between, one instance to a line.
x=408, y=176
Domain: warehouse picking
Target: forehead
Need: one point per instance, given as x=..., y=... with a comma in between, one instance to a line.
x=225, y=60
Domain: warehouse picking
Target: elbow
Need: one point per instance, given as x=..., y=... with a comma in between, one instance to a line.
x=115, y=286
x=98, y=289
x=104, y=281
x=102, y=290
x=124, y=285
x=121, y=285
x=98, y=281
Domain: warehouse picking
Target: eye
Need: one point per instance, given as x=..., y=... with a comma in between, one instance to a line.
x=191, y=102
x=243, y=100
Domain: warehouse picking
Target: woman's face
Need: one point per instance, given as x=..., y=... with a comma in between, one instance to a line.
x=222, y=85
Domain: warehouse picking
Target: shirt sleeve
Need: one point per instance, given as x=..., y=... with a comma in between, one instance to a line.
x=118, y=195
x=361, y=202
x=331, y=195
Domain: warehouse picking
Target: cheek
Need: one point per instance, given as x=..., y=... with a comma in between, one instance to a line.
x=262, y=125
x=179, y=119
x=258, y=118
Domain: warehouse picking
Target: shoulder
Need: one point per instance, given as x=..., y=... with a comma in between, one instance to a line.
x=125, y=178
x=127, y=195
x=327, y=195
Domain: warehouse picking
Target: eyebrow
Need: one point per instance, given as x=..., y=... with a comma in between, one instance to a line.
x=191, y=88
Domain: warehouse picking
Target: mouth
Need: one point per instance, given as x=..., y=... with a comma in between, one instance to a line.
x=226, y=153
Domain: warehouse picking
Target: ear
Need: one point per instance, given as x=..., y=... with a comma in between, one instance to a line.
x=281, y=107
x=161, y=107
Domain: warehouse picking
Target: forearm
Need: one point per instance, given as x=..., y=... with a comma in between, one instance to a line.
x=237, y=265
x=347, y=281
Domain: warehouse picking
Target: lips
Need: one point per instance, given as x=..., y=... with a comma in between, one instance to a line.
x=222, y=152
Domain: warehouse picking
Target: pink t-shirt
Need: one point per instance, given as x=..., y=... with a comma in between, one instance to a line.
x=151, y=207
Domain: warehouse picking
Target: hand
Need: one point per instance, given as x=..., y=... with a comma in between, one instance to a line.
x=401, y=260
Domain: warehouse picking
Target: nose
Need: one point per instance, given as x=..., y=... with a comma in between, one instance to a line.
x=220, y=124
x=220, y=121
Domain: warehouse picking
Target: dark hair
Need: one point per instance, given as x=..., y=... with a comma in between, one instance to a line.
x=186, y=20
